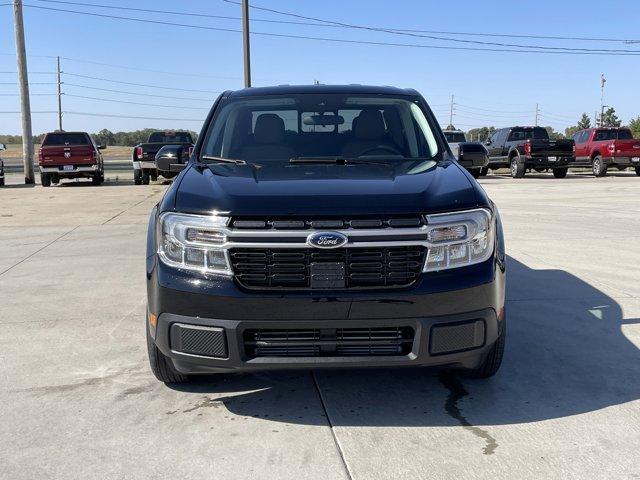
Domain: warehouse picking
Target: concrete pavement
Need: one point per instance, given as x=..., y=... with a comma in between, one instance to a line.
x=78, y=400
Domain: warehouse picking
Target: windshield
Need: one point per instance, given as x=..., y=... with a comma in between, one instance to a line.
x=168, y=137
x=279, y=128
x=455, y=137
x=60, y=139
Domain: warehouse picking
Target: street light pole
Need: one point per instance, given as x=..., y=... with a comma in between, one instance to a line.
x=23, y=80
x=245, y=43
x=59, y=98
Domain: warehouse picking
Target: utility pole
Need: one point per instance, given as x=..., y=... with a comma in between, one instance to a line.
x=245, y=43
x=59, y=98
x=537, y=114
x=602, y=105
x=23, y=79
x=451, y=112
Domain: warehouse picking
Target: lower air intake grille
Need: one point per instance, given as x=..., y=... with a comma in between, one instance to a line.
x=332, y=342
x=457, y=337
x=196, y=340
x=351, y=267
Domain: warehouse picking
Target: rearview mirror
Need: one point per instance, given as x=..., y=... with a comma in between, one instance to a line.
x=323, y=120
x=172, y=158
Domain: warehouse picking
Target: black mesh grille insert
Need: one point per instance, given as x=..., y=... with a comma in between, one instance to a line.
x=291, y=268
x=196, y=340
x=332, y=342
x=457, y=337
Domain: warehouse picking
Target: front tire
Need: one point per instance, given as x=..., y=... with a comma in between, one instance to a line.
x=517, y=168
x=161, y=366
x=598, y=167
x=491, y=364
x=560, y=172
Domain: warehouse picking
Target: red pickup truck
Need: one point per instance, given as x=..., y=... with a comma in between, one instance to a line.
x=70, y=155
x=601, y=148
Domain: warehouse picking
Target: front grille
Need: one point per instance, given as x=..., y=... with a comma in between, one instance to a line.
x=410, y=221
x=332, y=342
x=351, y=267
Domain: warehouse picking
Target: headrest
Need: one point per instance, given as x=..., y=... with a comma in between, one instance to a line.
x=369, y=125
x=269, y=129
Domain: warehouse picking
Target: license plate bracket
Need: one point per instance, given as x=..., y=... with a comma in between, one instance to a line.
x=68, y=168
x=328, y=275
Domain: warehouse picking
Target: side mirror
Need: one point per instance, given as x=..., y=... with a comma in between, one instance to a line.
x=473, y=155
x=102, y=147
x=3, y=146
x=172, y=158
x=487, y=141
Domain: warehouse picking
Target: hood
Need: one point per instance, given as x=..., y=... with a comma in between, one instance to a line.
x=245, y=190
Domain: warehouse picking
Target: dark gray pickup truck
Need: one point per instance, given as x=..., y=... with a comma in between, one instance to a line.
x=144, y=154
x=523, y=149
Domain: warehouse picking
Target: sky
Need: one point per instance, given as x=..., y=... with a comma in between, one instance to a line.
x=489, y=88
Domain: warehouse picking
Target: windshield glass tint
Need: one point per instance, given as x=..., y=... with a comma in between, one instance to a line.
x=58, y=139
x=168, y=137
x=278, y=128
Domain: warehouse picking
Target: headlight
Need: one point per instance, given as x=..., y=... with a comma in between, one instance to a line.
x=193, y=242
x=459, y=239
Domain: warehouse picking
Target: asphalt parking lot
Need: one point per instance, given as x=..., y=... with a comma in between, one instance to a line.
x=78, y=400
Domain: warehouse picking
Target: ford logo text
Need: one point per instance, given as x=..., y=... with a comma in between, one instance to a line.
x=327, y=239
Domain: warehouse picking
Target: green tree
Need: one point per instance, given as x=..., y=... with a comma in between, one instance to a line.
x=480, y=134
x=553, y=135
x=583, y=123
x=451, y=127
x=634, y=125
x=610, y=119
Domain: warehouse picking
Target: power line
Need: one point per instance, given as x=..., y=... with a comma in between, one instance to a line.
x=136, y=93
x=89, y=114
x=133, y=103
x=488, y=109
x=342, y=40
x=431, y=37
x=137, y=84
x=316, y=24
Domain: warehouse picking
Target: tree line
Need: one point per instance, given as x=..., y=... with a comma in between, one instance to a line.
x=609, y=119
x=103, y=137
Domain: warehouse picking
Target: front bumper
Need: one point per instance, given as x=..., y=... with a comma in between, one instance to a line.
x=468, y=294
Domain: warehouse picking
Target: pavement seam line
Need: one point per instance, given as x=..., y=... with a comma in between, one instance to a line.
x=129, y=208
x=38, y=251
x=333, y=433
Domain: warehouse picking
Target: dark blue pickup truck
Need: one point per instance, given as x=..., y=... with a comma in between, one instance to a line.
x=321, y=227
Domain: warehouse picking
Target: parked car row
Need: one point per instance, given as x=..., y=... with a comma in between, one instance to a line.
x=523, y=149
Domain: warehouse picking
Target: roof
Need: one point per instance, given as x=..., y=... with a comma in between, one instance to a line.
x=302, y=89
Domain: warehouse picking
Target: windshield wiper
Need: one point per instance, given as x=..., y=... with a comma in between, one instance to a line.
x=222, y=160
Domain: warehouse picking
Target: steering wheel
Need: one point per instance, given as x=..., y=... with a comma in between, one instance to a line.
x=386, y=148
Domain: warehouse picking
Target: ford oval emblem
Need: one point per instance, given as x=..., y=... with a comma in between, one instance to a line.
x=327, y=239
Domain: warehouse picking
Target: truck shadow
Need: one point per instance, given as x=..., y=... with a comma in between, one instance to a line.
x=566, y=354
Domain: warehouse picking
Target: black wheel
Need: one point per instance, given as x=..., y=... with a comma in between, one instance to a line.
x=96, y=179
x=55, y=179
x=560, y=172
x=45, y=179
x=137, y=176
x=598, y=167
x=475, y=172
x=1, y=181
x=145, y=177
x=154, y=176
x=638, y=171
x=517, y=168
x=493, y=360
x=484, y=171
x=161, y=366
